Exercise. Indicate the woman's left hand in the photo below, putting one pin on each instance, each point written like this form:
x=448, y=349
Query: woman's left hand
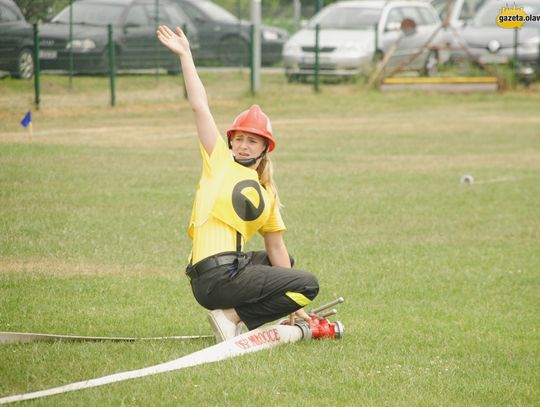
x=176, y=42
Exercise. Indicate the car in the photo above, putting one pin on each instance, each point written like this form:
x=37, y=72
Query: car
x=461, y=11
x=354, y=33
x=225, y=38
x=16, y=41
x=492, y=44
x=134, y=25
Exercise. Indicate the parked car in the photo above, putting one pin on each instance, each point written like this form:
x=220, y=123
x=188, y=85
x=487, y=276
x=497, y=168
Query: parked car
x=225, y=38
x=353, y=33
x=16, y=41
x=495, y=45
x=134, y=35
x=461, y=11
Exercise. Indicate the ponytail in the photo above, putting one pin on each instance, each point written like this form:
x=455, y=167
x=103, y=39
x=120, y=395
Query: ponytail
x=266, y=178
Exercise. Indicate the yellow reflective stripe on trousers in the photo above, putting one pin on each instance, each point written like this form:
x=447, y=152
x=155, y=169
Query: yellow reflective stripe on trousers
x=298, y=298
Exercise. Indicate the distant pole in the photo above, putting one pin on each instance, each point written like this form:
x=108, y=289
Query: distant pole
x=112, y=65
x=319, y=4
x=156, y=43
x=256, y=43
x=251, y=60
x=239, y=30
x=70, y=44
x=185, y=30
x=376, y=37
x=297, y=13
x=515, y=56
x=316, y=79
x=37, y=68
x=447, y=8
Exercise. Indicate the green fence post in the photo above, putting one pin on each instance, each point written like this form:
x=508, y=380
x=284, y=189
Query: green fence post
x=37, y=72
x=316, y=79
x=185, y=29
x=156, y=43
x=319, y=4
x=112, y=65
x=515, y=57
x=70, y=44
x=239, y=29
x=252, y=58
x=376, y=28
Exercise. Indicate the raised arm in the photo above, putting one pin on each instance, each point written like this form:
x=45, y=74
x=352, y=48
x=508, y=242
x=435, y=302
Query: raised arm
x=206, y=126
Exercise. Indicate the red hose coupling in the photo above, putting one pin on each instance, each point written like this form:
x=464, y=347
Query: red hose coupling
x=322, y=328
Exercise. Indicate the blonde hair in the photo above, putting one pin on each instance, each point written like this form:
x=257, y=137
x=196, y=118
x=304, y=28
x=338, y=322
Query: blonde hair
x=266, y=178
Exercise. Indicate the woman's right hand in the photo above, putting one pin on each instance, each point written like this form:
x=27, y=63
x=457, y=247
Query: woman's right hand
x=176, y=42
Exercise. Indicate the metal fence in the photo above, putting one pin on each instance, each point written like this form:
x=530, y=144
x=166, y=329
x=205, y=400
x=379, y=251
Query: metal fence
x=74, y=46
x=69, y=46
x=130, y=47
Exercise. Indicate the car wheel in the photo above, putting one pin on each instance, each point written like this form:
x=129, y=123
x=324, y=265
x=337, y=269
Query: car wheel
x=25, y=64
x=234, y=51
x=431, y=65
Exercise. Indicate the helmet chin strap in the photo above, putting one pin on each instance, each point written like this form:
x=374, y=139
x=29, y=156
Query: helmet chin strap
x=248, y=162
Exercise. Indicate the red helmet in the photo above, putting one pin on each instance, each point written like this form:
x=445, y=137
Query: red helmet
x=256, y=122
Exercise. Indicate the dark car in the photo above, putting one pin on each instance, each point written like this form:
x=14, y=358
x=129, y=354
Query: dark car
x=16, y=41
x=134, y=25
x=225, y=38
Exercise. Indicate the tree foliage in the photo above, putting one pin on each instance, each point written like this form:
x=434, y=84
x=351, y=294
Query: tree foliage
x=40, y=10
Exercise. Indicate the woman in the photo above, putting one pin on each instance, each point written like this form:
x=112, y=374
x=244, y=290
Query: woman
x=237, y=197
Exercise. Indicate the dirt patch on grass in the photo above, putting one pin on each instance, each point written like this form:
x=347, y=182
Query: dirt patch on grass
x=120, y=136
x=58, y=268
x=423, y=163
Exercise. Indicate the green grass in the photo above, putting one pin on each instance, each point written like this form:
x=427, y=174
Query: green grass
x=441, y=280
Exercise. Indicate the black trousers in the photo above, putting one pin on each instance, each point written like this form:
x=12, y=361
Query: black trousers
x=254, y=288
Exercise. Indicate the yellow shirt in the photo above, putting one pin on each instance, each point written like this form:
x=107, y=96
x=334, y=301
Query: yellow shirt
x=229, y=198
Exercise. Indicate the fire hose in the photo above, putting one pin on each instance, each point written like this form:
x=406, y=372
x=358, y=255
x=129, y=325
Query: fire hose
x=252, y=341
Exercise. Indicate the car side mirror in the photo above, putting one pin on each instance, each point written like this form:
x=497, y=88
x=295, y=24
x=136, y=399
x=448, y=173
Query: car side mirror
x=408, y=26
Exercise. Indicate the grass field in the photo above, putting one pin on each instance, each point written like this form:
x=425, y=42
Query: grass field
x=441, y=280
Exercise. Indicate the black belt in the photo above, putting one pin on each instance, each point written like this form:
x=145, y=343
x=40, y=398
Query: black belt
x=217, y=260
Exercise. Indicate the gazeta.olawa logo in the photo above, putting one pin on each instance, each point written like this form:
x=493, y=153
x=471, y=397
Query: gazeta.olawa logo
x=514, y=17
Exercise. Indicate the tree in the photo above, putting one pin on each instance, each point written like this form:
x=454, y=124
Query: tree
x=40, y=10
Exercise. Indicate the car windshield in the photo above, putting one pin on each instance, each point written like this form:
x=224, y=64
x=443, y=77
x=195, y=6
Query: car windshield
x=487, y=16
x=216, y=12
x=468, y=8
x=347, y=18
x=91, y=14
x=440, y=7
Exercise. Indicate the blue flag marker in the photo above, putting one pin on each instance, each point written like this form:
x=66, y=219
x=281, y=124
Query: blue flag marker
x=27, y=119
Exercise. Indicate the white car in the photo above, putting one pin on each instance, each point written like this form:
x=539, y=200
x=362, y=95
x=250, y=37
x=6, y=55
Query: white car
x=492, y=44
x=353, y=33
x=461, y=11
